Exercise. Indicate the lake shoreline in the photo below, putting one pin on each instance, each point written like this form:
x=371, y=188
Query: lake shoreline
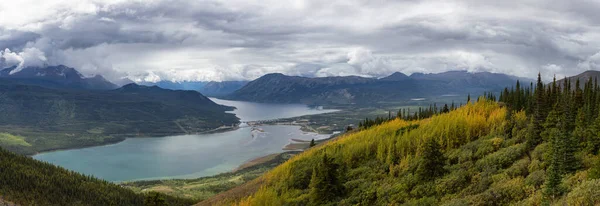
x=241, y=147
x=122, y=137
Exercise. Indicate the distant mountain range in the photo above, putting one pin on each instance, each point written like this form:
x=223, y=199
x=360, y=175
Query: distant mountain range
x=60, y=77
x=279, y=88
x=63, y=77
x=212, y=88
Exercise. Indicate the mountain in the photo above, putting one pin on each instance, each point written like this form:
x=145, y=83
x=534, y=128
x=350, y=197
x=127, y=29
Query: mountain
x=583, y=78
x=184, y=85
x=50, y=118
x=211, y=88
x=279, y=88
x=56, y=77
x=217, y=89
x=396, y=76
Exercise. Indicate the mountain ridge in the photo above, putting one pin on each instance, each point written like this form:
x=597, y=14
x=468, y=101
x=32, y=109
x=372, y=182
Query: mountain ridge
x=59, y=76
x=280, y=88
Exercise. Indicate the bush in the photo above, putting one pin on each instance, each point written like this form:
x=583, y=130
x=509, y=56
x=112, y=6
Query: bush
x=536, y=179
x=502, y=193
x=502, y=158
x=452, y=183
x=519, y=168
x=586, y=193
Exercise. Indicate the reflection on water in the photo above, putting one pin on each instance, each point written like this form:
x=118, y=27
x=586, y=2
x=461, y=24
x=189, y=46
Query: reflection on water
x=188, y=156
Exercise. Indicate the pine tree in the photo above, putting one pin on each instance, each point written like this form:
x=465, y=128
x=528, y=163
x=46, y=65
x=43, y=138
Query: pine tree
x=593, y=143
x=312, y=143
x=324, y=183
x=534, y=137
x=432, y=162
x=554, y=171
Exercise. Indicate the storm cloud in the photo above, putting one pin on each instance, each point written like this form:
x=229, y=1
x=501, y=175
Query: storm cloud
x=238, y=39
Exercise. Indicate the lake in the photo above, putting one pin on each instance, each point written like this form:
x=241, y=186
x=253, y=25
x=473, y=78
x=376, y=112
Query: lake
x=189, y=156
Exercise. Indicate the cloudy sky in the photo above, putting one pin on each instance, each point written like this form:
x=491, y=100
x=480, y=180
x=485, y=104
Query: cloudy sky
x=243, y=39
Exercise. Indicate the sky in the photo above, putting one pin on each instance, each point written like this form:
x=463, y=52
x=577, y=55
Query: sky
x=218, y=40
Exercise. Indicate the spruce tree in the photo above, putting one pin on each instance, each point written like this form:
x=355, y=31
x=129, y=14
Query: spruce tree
x=312, y=143
x=554, y=171
x=324, y=183
x=534, y=137
x=432, y=161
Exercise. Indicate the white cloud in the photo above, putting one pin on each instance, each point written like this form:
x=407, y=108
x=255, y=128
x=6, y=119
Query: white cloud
x=244, y=39
x=28, y=57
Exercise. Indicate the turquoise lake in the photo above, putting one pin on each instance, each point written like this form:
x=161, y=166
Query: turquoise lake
x=189, y=156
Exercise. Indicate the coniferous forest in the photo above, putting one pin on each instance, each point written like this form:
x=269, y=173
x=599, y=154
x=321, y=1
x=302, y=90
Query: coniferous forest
x=534, y=144
x=26, y=181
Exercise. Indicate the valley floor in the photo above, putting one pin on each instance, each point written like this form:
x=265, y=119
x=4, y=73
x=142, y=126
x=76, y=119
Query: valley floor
x=206, y=187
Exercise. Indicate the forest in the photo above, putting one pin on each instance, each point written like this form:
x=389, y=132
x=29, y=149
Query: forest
x=26, y=181
x=533, y=144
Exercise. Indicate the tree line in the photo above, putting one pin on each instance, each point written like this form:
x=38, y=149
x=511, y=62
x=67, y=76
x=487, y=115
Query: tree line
x=564, y=115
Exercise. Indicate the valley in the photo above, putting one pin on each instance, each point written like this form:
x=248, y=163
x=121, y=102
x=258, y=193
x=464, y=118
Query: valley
x=185, y=147
x=299, y=103
x=189, y=156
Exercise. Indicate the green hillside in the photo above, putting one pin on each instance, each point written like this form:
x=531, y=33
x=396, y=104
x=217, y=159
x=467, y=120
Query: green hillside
x=25, y=181
x=537, y=147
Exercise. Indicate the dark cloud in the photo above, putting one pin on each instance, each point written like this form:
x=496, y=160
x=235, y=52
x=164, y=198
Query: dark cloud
x=213, y=39
x=15, y=40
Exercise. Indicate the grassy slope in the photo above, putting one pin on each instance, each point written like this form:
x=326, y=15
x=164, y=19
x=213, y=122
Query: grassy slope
x=483, y=167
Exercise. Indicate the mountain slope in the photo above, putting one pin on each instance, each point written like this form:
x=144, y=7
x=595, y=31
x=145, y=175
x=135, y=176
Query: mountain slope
x=54, y=119
x=217, y=89
x=55, y=77
x=474, y=155
x=583, y=77
x=212, y=88
x=26, y=181
x=376, y=162
x=397, y=87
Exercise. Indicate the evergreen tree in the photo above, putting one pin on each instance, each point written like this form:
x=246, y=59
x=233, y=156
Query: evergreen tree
x=432, y=162
x=312, y=143
x=154, y=199
x=445, y=109
x=555, y=168
x=324, y=183
x=540, y=107
x=593, y=143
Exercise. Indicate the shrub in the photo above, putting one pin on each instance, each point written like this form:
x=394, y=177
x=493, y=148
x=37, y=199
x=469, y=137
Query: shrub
x=586, y=193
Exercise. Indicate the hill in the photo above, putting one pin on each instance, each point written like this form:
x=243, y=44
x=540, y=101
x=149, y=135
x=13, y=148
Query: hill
x=26, y=181
x=217, y=89
x=183, y=85
x=530, y=149
x=583, y=77
x=279, y=88
x=212, y=88
x=44, y=119
x=55, y=77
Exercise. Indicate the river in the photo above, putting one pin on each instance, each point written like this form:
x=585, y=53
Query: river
x=189, y=156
